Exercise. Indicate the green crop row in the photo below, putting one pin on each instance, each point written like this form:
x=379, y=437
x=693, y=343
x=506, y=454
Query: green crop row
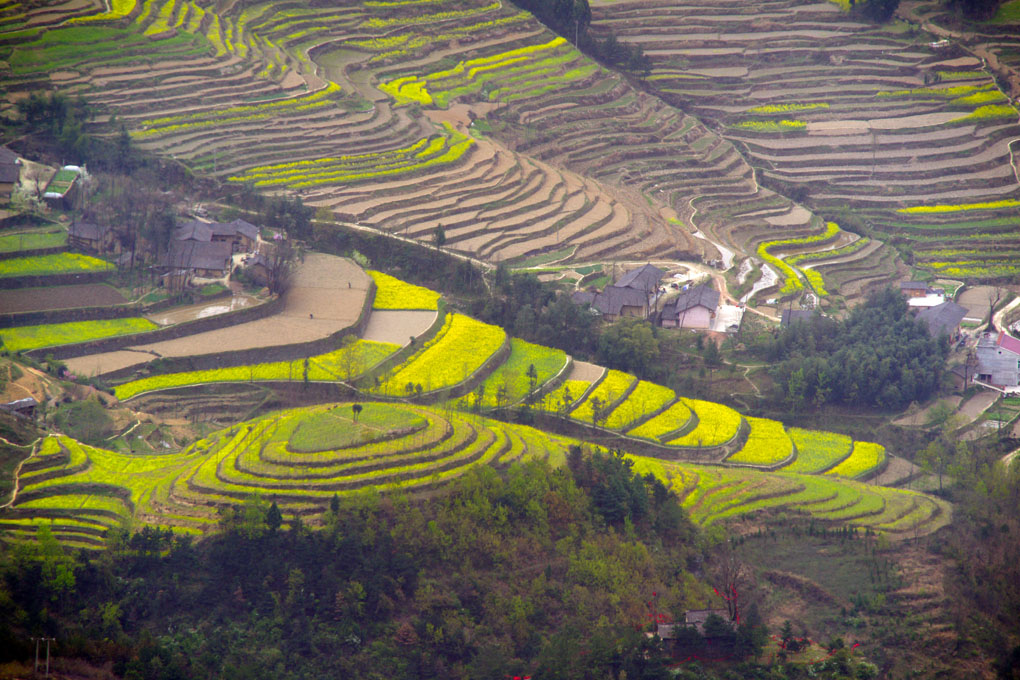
x=818, y=451
x=392, y=293
x=987, y=205
x=450, y=359
x=24, y=338
x=771, y=125
x=510, y=383
x=717, y=424
x=292, y=103
x=415, y=19
x=793, y=283
x=464, y=77
x=865, y=458
x=613, y=386
x=988, y=112
x=342, y=364
x=646, y=398
x=848, y=249
x=423, y=154
x=786, y=108
x=48, y=265
x=118, y=10
x=767, y=444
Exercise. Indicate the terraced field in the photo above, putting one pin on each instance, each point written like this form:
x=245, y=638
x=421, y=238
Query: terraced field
x=484, y=123
x=300, y=458
x=840, y=113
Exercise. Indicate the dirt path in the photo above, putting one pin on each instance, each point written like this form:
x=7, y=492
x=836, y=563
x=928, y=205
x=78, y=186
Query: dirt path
x=920, y=418
x=972, y=409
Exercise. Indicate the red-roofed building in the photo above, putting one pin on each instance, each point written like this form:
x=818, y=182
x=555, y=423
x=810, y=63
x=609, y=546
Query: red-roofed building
x=998, y=359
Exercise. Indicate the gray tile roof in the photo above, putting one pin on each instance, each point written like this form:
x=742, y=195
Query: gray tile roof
x=198, y=255
x=645, y=278
x=942, y=318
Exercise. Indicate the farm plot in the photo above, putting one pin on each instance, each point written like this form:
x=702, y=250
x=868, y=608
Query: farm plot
x=525, y=371
x=717, y=424
x=23, y=338
x=35, y=239
x=59, y=297
x=840, y=113
x=392, y=293
x=767, y=444
x=325, y=296
x=49, y=265
x=600, y=402
x=817, y=451
x=712, y=494
x=865, y=459
x=299, y=458
x=343, y=364
x=461, y=348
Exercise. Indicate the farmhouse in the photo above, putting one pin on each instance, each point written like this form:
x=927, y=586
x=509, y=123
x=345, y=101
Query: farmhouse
x=242, y=236
x=208, y=260
x=944, y=318
x=10, y=171
x=645, y=279
x=998, y=360
x=89, y=236
x=693, y=308
x=630, y=296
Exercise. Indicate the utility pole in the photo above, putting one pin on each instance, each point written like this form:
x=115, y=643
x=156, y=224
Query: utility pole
x=48, y=641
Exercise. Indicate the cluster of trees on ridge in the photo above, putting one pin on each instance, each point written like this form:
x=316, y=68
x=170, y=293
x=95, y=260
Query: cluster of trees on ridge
x=879, y=356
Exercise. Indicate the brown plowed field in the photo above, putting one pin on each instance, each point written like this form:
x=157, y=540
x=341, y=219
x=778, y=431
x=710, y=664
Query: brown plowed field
x=397, y=326
x=58, y=297
x=326, y=296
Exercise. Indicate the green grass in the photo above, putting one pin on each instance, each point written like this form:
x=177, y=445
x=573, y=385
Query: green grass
x=48, y=265
x=50, y=335
x=336, y=428
x=33, y=240
x=509, y=384
x=818, y=451
x=1008, y=13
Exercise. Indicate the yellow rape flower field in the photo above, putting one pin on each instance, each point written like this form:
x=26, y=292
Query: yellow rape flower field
x=392, y=293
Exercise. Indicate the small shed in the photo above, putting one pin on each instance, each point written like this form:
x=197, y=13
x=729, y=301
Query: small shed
x=23, y=408
x=90, y=236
